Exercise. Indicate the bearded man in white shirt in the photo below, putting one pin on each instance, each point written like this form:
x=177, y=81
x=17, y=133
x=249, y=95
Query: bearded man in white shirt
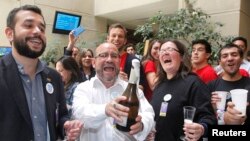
x=94, y=102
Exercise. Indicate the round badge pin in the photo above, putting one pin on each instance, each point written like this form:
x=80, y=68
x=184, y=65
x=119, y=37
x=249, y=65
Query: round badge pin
x=167, y=97
x=49, y=88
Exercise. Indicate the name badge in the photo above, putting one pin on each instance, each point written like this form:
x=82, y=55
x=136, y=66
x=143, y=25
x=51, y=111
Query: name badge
x=164, y=105
x=164, y=108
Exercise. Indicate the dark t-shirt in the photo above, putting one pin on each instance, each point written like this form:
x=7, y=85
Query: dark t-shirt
x=128, y=65
x=188, y=91
x=223, y=85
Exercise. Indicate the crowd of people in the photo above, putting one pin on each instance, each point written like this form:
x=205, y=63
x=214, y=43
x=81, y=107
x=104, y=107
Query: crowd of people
x=79, y=99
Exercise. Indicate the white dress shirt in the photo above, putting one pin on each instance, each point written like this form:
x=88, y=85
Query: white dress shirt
x=89, y=102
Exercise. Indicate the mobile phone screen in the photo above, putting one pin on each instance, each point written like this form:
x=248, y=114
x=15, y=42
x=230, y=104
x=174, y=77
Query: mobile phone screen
x=77, y=31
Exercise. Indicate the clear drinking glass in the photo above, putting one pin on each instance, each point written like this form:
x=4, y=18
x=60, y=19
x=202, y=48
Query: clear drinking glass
x=189, y=112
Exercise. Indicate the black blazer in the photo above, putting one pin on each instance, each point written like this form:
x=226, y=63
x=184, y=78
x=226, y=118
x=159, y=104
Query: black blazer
x=128, y=66
x=15, y=120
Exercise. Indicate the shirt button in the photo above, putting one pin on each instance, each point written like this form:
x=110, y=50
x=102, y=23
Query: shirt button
x=35, y=117
x=33, y=98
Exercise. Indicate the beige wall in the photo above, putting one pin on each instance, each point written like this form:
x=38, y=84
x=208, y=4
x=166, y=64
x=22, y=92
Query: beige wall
x=109, y=6
x=95, y=27
x=6, y=5
x=225, y=12
x=132, y=13
x=234, y=14
x=244, y=27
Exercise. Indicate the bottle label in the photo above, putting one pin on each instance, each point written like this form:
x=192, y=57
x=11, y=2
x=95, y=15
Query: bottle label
x=124, y=121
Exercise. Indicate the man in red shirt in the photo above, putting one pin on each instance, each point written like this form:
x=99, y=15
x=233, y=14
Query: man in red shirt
x=201, y=52
x=117, y=35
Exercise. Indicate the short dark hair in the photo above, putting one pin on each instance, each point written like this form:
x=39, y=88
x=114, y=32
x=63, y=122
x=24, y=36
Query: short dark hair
x=11, y=22
x=129, y=45
x=118, y=25
x=82, y=55
x=203, y=42
x=231, y=45
x=241, y=39
x=148, y=55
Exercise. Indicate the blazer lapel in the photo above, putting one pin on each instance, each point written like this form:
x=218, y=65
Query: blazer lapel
x=16, y=88
x=48, y=101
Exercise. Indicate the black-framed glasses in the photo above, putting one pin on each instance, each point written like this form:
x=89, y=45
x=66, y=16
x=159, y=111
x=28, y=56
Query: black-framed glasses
x=169, y=49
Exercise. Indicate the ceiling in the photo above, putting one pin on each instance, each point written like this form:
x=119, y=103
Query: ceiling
x=131, y=17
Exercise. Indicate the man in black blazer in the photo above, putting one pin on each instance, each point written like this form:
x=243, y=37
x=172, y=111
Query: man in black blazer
x=32, y=101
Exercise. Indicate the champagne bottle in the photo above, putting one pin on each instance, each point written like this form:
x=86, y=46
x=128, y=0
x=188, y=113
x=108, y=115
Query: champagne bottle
x=132, y=100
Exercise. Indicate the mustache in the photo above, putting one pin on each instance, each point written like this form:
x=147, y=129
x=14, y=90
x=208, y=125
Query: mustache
x=35, y=37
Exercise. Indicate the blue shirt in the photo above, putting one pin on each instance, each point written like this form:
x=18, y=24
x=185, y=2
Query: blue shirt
x=35, y=98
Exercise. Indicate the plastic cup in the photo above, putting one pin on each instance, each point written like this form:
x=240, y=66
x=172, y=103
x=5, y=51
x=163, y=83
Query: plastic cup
x=222, y=103
x=239, y=98
x=189, y=112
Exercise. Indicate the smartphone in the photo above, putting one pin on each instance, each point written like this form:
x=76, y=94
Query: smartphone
x=77, y=31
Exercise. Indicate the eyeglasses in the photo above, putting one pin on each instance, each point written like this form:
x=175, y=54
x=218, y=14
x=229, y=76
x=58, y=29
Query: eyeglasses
x=106, y=55
x=169, y=49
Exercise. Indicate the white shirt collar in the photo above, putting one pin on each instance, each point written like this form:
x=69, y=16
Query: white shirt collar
x=97, y=82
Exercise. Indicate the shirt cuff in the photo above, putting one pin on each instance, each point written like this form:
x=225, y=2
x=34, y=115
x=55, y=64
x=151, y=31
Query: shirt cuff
x=205, y=129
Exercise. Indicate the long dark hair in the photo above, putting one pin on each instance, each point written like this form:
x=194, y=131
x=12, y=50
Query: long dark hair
x=70, y=64
x=185, y=67
x=148, y=55
x=83, y=55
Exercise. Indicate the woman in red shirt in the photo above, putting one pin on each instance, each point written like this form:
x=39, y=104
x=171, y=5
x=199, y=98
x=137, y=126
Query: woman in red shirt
x=149, y=63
